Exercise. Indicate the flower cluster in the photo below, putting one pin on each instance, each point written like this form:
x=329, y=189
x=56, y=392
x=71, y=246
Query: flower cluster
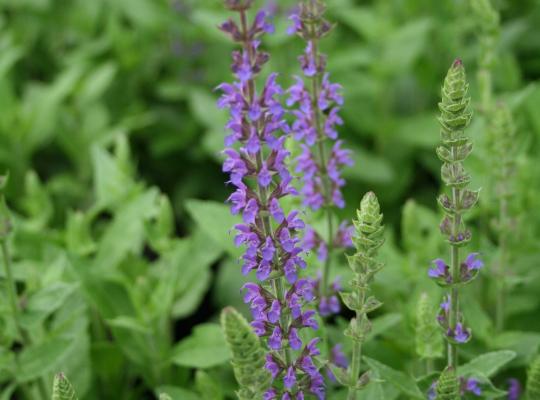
x=468, y=270
x=457, y=334
x=258, y=170
x=267, y=312
x=316, y=102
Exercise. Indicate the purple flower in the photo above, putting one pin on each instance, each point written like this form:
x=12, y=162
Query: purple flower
x=445, y=305
x=272, y=366
x=253, y=292
x=274, y=312
x=290, y=378
x=259, y=327
x=472, y=385
x=270, y=394
x=308, y=320
x=311, y=347
x=460, y=334
x=514, y=389
x=275, y=210
x=274, y=341
x=294, y=340
x=264, y=176
x=439, y=270
x=250, y=211
x=473, y=262
x=268, y=249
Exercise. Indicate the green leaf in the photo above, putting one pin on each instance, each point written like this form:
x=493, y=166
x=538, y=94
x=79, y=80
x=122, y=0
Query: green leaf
x=216, y=221
x=381, y=324
x=47, y=300
x=111, y=181
x=176, y=393
x=205, y=348
x=487, y=364
x=400, y=380
x=37, y=360
x=207, y=386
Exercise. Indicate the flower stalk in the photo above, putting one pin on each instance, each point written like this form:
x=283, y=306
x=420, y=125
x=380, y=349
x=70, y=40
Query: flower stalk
x=316, y=118
x=258, y=170
x=368, y=238
x=456, y=146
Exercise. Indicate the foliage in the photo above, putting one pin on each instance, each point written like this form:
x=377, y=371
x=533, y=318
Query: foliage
x=113, y=217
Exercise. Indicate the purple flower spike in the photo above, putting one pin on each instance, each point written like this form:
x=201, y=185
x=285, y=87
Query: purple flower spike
x=258, y=167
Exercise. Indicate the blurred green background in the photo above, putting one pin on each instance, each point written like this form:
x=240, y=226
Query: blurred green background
x=107, y=108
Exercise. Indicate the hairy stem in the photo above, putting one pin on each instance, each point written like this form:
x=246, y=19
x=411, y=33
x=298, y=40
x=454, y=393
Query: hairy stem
x=455, y=271
x=357, y=351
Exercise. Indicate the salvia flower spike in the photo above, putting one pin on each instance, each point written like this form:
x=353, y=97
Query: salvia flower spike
x=368, y=238
x=248, y=356
x=256, y=160
x=317, y=102
x=456, y=146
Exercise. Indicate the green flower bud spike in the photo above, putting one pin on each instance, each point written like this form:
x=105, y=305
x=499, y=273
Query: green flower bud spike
x=448, y=385
x=62, y=389
x=456, y=146
x=533, y=380
x=247, y=355
x=367, y=239
x=429, y=344
x=503, y=146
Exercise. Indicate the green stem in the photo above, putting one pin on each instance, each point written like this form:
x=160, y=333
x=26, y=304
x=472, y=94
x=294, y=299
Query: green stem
x=357, y=349
x=321, y=155
x=455, y=271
